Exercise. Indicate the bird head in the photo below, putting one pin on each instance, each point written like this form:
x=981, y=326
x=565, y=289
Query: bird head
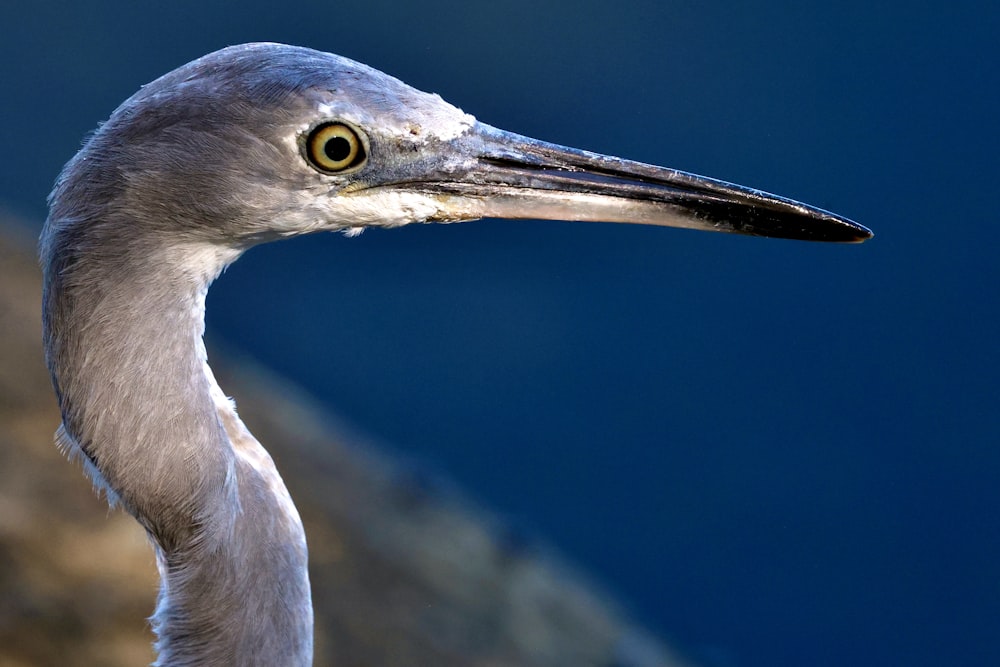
x=263, y=141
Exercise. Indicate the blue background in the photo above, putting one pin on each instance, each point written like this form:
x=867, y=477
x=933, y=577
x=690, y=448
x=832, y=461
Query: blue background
x=775, y=452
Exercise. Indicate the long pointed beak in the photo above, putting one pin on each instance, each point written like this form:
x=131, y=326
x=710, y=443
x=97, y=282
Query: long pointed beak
x=505, y=175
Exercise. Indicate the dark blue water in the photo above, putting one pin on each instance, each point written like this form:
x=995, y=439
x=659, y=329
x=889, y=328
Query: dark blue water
x=775, y=452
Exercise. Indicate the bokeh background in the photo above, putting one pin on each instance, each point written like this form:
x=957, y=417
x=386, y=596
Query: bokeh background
x=775, y=452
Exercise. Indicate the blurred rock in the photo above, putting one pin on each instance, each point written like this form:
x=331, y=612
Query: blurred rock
x=404, y=572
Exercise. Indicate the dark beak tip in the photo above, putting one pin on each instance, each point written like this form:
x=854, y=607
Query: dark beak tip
x=856, y=233
x=826, y=227
x=827, y=230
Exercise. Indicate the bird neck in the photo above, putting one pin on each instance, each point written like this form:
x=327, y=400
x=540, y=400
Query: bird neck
x=140, y=406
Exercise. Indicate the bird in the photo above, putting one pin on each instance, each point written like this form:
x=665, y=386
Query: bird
x=246, y=145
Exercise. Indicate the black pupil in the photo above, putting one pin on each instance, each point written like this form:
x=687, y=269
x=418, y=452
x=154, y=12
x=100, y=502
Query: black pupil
x=337, y=148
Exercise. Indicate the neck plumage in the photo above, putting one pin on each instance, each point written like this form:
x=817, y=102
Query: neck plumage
x=123, y=336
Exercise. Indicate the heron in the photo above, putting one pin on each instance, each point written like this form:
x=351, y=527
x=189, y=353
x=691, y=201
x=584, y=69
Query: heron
x=246, y=145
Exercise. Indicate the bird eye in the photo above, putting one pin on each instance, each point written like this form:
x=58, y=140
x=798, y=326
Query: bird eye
x=334, y=147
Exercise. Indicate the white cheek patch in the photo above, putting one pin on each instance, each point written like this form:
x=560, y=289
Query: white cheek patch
x=351, y=213
x=385, y=208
